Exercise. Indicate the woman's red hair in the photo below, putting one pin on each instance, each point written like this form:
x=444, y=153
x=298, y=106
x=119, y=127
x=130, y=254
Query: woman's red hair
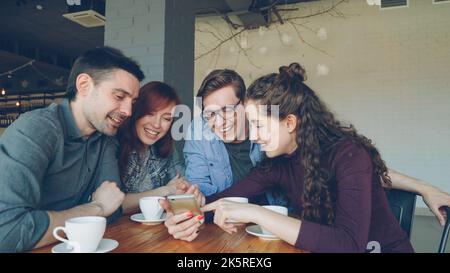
x=152, y=97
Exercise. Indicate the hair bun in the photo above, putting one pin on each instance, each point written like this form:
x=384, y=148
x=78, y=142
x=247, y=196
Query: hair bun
x=294, y=70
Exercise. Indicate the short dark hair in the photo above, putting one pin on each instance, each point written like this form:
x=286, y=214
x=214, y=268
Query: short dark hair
x=221, y=78
x=98, y=63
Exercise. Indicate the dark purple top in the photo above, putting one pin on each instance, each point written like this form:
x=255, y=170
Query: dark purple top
x=362, y=214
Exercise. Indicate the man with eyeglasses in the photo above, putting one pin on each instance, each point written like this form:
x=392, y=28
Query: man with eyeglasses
x=218, y=151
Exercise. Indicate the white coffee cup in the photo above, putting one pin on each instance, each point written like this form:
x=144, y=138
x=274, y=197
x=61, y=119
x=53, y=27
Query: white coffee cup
x=278, y=209
x=237, y=199
x=150, y=207
x=83, y=233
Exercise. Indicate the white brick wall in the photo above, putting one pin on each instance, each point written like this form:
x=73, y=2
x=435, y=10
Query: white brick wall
x=164, y=51
x=137, y=28
x=389, y=76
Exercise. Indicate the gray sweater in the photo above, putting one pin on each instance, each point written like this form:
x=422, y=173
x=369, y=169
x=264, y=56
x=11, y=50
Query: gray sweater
x=46, y=164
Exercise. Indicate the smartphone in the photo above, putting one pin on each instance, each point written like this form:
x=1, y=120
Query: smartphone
x=183, y=203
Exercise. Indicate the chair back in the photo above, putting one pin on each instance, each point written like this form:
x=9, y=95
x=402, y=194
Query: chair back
x=444, y=236
x=402, y=204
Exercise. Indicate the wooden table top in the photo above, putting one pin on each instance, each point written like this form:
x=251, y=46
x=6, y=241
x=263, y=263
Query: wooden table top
x=137, y=238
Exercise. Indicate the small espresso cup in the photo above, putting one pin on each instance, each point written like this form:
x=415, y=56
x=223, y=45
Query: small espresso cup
x=150, y=207
x=83, y=233
x=278, y=209
x=237, y=200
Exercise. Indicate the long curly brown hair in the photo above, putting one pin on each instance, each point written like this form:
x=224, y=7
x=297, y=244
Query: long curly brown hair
x=317, y=131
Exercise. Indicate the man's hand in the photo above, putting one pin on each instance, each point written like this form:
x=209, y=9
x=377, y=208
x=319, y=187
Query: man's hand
x=193, y=189
x=109, y=197
x=178, y=185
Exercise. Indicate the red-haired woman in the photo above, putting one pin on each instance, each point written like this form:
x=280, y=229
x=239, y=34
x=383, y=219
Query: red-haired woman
x=148, y=162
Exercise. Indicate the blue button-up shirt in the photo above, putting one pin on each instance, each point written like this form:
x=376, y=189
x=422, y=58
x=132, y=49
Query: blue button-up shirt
x=207, y=161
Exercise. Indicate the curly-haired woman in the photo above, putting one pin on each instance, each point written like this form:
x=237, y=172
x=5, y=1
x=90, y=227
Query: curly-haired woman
x=332, y=175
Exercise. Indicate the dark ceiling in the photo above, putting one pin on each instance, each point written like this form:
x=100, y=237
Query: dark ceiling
x=46, y=28
x=27, y=32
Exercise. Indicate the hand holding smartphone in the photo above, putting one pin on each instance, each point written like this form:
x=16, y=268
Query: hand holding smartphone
x=183, y=203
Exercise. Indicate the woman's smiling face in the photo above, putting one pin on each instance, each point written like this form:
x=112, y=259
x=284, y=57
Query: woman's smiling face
x=152, y=127
x=276, y=137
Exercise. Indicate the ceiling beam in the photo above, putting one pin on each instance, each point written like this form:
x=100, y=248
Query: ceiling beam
x=36, y=53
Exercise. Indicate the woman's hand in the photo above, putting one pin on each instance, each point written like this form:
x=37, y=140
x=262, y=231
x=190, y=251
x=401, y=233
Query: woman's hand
x=432, y=196
x=226, y=211
x=183, y=226
x=435, y=200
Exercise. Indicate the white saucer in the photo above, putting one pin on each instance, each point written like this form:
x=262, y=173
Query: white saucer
x=256, y=230
x=106, y=245
x=139, y=217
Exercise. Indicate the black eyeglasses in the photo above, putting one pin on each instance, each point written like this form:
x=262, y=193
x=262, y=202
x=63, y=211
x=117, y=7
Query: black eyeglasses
x=226, y=112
